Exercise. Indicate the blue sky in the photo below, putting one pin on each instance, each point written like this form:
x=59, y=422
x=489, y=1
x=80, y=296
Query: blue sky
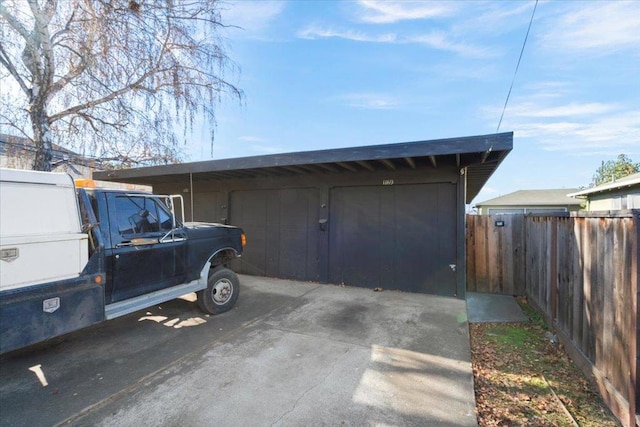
x=330, y=74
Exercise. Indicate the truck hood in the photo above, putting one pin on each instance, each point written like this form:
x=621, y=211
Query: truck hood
x=207, y=230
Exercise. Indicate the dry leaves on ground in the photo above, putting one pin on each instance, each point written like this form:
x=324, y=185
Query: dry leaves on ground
x=524, y=378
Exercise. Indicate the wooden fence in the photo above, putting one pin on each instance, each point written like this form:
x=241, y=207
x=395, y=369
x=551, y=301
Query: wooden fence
x=495, y=254
x=581, y=272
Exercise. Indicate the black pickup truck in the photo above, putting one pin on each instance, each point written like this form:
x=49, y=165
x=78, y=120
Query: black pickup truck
x=140, y=254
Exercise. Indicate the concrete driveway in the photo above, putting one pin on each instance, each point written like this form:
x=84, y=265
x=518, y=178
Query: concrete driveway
x=288, y=354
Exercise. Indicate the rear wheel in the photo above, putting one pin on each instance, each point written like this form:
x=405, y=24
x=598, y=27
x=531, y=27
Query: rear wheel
x=221, y=293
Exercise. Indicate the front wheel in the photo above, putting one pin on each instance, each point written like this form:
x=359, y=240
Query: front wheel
x=221, y=293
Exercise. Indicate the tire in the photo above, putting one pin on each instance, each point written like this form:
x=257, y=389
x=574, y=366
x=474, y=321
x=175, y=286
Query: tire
x=223, y=288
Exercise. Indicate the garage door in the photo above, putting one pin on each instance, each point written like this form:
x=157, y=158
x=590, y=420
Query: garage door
x=394, y=237
x=282, y=232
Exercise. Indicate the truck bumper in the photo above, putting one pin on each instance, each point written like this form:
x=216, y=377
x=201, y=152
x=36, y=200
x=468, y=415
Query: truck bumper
x=36, y=313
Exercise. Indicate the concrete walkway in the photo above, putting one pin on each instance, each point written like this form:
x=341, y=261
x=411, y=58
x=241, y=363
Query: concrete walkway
x=486, y=308
x=321, y=355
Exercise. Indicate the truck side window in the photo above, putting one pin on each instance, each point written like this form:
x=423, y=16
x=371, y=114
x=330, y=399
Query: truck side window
x=136, y=215
x=165, y=219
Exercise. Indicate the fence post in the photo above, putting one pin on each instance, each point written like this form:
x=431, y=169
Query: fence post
x=525, y=253
x=554, y=270
x=634, y=359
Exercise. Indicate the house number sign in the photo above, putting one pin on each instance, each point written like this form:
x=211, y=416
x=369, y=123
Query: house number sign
x=387, y=182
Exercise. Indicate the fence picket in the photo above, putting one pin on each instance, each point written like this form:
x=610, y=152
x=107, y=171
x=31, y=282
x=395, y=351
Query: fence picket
x=582, y=273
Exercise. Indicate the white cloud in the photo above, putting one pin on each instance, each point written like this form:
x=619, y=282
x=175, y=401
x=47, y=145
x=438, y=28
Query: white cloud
x=314, y=33
x=599, y=27
x=548, y=89
x=531, y=109
x=434, y=40
x=369, y=101
x=440, y=41
x=549, y=114
x=251, y=16
x=596, y=134
x=491, y=19
x=386, y=12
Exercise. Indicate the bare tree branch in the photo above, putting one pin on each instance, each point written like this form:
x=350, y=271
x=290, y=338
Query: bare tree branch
x=13, y=22
x=6, y=62
x=116, y=78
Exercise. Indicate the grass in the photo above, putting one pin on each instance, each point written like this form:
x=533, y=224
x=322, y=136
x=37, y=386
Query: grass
x=510, y=337
x=523, y=378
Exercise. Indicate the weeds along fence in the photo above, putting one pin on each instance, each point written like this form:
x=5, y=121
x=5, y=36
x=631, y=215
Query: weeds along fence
x=581, y=271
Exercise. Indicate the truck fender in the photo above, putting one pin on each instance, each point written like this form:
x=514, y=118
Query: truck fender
x=218, y=258
x=204, y=275
x=222, y=257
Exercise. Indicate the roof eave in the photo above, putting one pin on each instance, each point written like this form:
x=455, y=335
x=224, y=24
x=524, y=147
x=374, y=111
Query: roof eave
x=481, y=155
x=464, y=145
x=606, y=187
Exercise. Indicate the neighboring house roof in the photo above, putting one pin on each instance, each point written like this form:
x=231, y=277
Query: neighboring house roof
x=19, y=152
x=553, y=197
x=15, y=145
x=621, y=183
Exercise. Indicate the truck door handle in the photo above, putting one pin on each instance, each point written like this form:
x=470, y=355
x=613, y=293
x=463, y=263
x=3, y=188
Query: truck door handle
x=138, y=241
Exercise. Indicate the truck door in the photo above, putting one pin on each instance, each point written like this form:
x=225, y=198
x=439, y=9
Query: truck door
x=141, y=260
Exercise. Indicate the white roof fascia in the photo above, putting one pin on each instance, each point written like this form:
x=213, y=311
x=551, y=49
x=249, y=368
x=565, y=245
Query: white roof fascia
x=604, y=187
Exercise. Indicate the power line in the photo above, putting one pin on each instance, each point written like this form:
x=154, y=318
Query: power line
x=517, y=66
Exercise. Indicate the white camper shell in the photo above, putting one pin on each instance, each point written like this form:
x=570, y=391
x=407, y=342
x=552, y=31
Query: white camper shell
x=41, y=238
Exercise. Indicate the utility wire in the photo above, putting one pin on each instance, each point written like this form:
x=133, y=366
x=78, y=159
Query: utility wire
x=517, y=66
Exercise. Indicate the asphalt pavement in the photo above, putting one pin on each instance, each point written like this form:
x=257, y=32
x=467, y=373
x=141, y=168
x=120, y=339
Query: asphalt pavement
x=288, y=354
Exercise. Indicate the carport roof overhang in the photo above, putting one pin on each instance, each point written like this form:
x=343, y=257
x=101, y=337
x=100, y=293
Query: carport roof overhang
x=481, y=155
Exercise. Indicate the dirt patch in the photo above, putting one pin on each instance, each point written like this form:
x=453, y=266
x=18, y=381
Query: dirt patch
x=523, y=377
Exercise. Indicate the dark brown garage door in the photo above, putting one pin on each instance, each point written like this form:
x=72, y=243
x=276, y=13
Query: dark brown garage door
x=282, y=232
x=395, y=237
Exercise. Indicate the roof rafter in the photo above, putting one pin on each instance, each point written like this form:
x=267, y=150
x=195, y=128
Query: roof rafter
x=366, y=165
x=388, y=163
x=327, y=167
x=347, y=166
x=411, y=162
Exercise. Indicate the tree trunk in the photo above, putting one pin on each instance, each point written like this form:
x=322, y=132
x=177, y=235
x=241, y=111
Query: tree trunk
x=41, y=139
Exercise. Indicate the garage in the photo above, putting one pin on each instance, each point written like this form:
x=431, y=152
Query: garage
x=394, y=236
x=383, y=216
x=283, y=225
